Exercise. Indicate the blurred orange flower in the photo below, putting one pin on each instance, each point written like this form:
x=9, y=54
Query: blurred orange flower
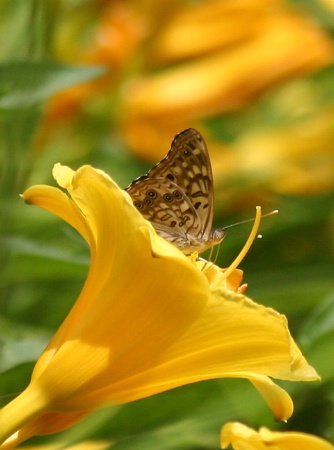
x=173, y=65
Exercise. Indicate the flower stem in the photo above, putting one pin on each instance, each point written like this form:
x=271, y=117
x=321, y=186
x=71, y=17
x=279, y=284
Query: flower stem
x=29, y=405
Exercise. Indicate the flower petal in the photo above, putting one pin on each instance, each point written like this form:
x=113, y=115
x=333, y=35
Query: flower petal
x=234, y=337
x=242, y=437
x=57, y=202
x=277, y=398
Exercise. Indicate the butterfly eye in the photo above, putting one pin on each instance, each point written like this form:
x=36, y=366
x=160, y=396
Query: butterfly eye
x=138, y=205
x=177, y=195
x=186, y=152
x=168, y=198
x=152, y=194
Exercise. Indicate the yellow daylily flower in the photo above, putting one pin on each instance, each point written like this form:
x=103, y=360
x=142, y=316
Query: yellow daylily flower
x=242, y=437
x=148, y=319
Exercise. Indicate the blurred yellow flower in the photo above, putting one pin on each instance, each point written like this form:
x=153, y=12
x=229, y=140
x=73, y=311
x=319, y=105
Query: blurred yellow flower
x=87, y=445
x=148, y=319
x=248, y=46
x=242, y=437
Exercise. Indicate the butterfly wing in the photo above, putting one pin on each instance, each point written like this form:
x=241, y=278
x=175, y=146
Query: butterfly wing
x=187, y=164
x=164, y=204
x=176, y=195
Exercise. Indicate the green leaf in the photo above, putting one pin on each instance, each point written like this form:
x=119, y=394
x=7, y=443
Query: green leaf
x=24, y=84
x=320, y=324
x=19, y=343
x=49, y=261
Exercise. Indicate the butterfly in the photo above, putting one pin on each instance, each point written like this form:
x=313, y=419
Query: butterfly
x=176, y=195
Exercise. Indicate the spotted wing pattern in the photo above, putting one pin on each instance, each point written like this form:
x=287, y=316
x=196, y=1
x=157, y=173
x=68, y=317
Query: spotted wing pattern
x=176, y=195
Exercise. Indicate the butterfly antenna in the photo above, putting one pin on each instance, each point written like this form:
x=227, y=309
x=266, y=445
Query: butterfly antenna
x=250, y=220
x=251, y=238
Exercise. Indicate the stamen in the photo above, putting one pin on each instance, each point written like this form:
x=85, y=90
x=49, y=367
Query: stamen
x=253, y=235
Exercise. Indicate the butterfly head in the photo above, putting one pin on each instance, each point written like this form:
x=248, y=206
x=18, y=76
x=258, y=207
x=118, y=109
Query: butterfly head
x=218, y=235
x=200, y=245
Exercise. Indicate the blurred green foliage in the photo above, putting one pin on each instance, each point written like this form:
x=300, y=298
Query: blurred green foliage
x=43, y=262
